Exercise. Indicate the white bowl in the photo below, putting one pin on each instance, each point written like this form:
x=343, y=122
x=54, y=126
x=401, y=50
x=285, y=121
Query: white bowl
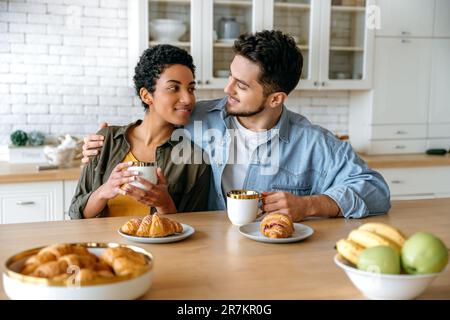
x=20, y=287
x=58, y=156
x=166, y=30
x=386, y=286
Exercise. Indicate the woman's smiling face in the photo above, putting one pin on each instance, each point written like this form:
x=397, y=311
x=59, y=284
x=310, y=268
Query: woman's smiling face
x=173, y=99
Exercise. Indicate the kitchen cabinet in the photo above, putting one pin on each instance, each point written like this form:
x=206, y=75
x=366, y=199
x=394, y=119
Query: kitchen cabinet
x=406, y=18
x=416, y=183
x=346, y=45
x=36, y=201
x=332, y=35
x=392, y=118
x=408, y=108
x=69, y=191
x=440, y=79
x=442, y=19
x=401, y=80
x=31, y=202
x=439, y=110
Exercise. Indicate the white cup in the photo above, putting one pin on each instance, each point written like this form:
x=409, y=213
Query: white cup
x=242, y=206
x=148, y=172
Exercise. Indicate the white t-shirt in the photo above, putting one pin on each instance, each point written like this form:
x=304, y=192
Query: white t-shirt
x=243, y=143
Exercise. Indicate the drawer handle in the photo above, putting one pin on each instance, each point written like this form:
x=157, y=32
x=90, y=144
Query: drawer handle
x=401, y=132
x=405, y=33
x=406, y=41
x=397, y=181
x=25, y=203
x=400, y=147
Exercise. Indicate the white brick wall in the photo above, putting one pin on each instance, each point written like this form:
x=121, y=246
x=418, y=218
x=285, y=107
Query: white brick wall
x=63, y=69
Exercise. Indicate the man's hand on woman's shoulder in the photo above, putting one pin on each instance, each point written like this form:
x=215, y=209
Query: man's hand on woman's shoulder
x=92, y=144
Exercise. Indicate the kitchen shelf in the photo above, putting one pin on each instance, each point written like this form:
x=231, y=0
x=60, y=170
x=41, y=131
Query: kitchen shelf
x=348, y=9
x=230, y=44
x=220, y=44
x=186, y=2
x=299, y=6
x=177, y=44
x=357, y=49
x=233, y=3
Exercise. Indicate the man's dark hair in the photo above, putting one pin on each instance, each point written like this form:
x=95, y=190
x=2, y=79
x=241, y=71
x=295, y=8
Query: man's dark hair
x=154, y=61
x=278, y=57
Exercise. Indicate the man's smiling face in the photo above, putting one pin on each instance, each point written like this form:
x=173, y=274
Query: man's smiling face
x=245, y=94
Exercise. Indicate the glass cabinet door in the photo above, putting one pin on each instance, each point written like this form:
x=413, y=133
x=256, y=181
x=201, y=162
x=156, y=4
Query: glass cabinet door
x=295, y=18
x=347, y=44
x=224, y=21
x=170, y=23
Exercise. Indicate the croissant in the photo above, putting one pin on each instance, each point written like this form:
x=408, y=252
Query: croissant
x=55, y=262
x=57, y=250
x=152, y=226
x=48, y=270
x=123, y=260
x=69, y=260
x=277, y=225
x=132, y=226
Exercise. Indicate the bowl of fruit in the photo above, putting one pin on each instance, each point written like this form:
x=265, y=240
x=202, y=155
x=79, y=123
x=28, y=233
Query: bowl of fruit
x=384, y=264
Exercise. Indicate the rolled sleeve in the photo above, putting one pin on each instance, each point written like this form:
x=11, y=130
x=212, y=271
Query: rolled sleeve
x=358, y=190
x=87, y=184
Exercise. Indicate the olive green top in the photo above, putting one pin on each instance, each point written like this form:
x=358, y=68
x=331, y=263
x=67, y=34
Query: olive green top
x=188, y=183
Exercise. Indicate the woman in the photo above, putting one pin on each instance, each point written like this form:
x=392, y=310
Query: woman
x=164, y=81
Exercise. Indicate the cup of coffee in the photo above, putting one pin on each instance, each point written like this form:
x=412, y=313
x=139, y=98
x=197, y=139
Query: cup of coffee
x=242, y=206
x=148, y=172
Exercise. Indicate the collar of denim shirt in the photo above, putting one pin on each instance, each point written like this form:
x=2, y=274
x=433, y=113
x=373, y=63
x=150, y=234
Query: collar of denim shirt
x=283, y=124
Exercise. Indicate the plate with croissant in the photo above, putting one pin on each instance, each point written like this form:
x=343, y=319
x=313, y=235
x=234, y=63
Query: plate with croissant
x=155, y=229
x=79, y=271
x=276, y=228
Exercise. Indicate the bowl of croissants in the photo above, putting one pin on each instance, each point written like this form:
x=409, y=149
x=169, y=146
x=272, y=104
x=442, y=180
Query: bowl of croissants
x=73, y=271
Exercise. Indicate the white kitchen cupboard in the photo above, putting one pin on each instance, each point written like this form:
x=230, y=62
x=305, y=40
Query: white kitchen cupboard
x=345, y=61
x=419, y=182
x=31, y=202
x=439, y=108
x=442, y=19
x=69, y=191
x=401, y=80
x=408, y=109
x=333, y=38
x=36, y=201
x=440, y=82
x=406, y=18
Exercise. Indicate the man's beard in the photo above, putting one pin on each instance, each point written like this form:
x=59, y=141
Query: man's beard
x=246, y=113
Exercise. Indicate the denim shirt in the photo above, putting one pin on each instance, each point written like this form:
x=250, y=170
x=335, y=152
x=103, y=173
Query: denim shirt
x=305, y=160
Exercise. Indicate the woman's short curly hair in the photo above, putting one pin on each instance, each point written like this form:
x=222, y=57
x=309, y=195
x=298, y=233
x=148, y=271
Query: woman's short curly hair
x=154, y=61
x=277, y=55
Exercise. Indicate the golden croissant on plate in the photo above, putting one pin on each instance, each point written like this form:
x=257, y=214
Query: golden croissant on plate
x=152, y=226
x=277, y=225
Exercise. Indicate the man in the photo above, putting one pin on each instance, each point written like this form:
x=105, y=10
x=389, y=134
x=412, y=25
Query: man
x=315, y=173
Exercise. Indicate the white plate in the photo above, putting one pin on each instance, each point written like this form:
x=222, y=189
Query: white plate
x=187, y=231
x=251, y=230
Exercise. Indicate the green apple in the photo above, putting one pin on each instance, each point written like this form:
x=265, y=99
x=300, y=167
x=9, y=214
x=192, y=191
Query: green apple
x=424, y=253
x=379, y=259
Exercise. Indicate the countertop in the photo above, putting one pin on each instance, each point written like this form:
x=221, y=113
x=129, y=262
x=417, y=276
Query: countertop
x=219, y=263
x=13, y=173
x=406, y=160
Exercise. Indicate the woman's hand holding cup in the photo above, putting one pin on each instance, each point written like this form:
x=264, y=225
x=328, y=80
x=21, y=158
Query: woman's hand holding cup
x=152, y=194
x=119, y=177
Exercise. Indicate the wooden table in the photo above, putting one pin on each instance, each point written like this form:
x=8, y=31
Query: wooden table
x=218, y=263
